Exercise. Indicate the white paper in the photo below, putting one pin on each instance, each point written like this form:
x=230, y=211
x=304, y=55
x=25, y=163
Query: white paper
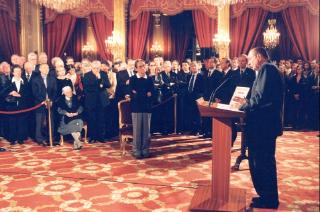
x=240, y=92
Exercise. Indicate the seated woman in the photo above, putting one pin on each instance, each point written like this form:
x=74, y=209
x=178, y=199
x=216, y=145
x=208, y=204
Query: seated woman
x=70, y=109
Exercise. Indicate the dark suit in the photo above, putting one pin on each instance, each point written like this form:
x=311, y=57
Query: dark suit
x=212, y=80
x=31, y=117
x=40, y=93
x=96, y=100
x=168, y=88
x=264, y=110
x=194, y=92
x=17, y=122
x=122, y=88
x=246, y=78
x=4, y=86
x=226, y=87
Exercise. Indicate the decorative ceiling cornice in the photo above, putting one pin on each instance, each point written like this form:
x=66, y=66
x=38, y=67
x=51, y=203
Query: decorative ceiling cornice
x=170, y=7
x=274, y=6
x=95, y=6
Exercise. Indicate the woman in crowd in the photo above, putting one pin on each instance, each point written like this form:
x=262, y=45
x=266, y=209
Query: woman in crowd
x=70, y=109
x=298, y=87
x=17, y=93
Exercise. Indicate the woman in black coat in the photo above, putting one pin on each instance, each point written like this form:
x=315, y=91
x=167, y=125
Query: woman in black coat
x=17, y=94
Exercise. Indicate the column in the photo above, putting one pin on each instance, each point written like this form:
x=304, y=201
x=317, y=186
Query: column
x=31, y=27
x=119, y=28
x=223, y=30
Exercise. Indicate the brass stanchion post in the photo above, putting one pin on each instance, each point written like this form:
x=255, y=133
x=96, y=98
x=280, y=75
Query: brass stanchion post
x=175, y=113
x=49, y=120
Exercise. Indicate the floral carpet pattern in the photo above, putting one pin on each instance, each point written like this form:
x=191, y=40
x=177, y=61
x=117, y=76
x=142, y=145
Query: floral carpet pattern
x=97, y=178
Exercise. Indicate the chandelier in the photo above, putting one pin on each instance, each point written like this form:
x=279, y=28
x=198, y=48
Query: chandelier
x=220, y=3
x=271, y=35
x=113, y=44
x=221, y=40
x=156, y=48
x=61, y=5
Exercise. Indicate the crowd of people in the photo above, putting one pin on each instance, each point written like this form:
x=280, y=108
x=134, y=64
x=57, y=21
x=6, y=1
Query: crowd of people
x=89, y=91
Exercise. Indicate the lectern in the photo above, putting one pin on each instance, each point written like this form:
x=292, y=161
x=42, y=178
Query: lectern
x=219, y=196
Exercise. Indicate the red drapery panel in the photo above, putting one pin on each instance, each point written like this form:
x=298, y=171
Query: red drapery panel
x=9, y=39
x=138, y=33
x=245, y=30
x=58, y=34
x=303, y=29
x=102, y=29
x=205, y=28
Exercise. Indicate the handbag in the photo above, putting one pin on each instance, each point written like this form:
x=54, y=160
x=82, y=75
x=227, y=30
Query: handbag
x=11, y=99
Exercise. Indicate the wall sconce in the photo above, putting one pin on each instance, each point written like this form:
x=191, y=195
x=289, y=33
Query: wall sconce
x=88, y=51
x=156, y=49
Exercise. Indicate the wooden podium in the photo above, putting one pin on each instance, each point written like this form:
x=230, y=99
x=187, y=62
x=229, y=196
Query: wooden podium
x=219, y=197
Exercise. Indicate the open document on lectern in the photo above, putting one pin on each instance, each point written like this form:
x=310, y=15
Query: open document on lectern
x=240, y=92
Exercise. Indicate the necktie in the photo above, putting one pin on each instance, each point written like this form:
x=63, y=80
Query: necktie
x=28, y=77
x=241, y=73
x=190, y=88
x=210, y=73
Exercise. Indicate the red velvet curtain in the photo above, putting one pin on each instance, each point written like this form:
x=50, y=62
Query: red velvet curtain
x=58, y=34
x=138, y=32
x=78, y=39
x=303, y=29
x=9, y=39
x=245, y=30
x=182, y=28
x=102, y=29
x=205, y=28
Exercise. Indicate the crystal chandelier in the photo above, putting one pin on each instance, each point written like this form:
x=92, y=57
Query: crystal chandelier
x=271, y=35
x=220, y=3
x=61, y=5
x=113, y=44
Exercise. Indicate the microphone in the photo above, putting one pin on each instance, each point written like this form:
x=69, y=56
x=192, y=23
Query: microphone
x=213, y=94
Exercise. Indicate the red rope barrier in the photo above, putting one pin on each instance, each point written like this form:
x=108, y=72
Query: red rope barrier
x=24, y=110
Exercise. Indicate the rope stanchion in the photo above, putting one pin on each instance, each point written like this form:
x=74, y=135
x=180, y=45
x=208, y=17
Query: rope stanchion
x=49, y=122
x=24, y=110
x=165, y=101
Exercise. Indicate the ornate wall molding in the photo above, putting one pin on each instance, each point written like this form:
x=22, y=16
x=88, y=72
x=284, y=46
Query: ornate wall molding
x=274, y=6
x=173, y=7
x=10, y=7
x=170, y=7
x=95, y=6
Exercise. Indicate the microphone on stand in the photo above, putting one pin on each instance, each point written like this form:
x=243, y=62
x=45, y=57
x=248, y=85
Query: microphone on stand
x=213, y=94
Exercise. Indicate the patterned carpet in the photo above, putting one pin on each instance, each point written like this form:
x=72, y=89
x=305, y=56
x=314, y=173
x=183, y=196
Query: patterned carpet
x=97, y=178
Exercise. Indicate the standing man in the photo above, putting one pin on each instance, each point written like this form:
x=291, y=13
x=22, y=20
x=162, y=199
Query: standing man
x=264, y=125
x=43, y=87
x=141, y=101
x=96, y=100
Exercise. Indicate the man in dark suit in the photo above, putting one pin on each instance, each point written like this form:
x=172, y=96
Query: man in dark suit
x=228, y=83
x=195, y=91
x=246, y=78
x=245, y=74
x=212, y=78
x=28, y=75
x=264, y=124
x=168, y=88
x=96, y=100
x=43, y=87
x=123, y=77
